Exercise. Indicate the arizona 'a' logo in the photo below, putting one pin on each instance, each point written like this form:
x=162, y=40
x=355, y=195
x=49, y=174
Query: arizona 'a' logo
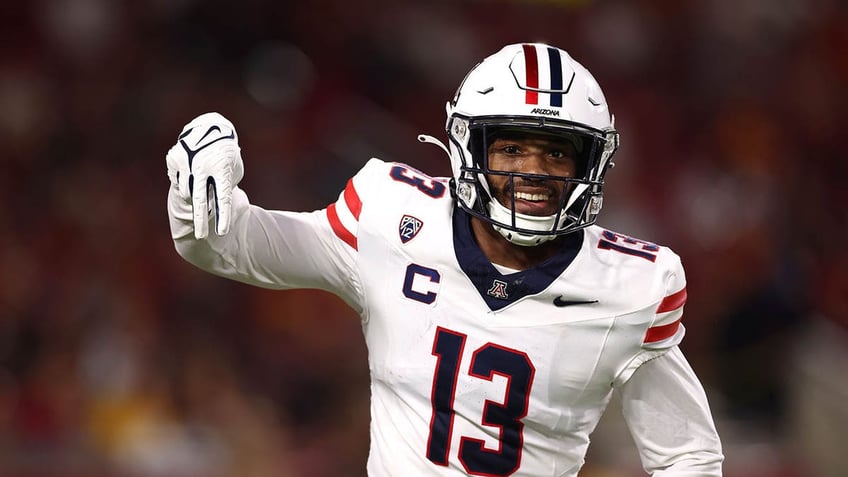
x=409, y=227
x=498, y=290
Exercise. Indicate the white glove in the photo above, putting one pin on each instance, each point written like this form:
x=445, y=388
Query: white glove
x=206, y=163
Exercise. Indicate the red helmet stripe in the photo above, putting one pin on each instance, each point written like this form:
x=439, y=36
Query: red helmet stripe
x=531, y=73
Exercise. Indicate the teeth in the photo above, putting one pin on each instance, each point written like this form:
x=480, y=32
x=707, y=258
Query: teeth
x=531, y=197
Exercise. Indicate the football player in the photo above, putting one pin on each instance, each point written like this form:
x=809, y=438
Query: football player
x=498, y=317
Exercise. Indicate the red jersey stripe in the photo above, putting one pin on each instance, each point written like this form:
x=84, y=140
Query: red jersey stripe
x=339, y=228
x=672, y=302
x=354, y=203
x=659, y=333
x=531, y=73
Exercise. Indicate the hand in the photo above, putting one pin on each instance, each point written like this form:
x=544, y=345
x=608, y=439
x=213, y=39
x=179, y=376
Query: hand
x=206, y=164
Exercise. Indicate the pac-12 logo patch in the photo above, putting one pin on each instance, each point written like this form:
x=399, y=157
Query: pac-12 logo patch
x=409, y=227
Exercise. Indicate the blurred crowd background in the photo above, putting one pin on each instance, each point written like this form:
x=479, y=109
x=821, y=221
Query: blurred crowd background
x=119, y=359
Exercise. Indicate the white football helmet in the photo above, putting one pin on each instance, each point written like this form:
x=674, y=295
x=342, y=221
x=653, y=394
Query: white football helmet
x=541, y=89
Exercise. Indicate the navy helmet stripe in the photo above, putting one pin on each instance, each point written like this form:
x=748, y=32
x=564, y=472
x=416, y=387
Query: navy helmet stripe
x=556, y=76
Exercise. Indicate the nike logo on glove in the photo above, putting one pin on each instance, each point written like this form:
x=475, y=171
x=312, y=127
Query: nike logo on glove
x=192, y=152
x=558, y=301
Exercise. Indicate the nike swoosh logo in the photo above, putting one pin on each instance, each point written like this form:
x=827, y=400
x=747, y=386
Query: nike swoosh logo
x=193, y=152
x=558, y=301
x=208, y=131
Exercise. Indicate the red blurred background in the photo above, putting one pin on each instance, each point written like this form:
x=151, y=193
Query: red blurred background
x=117, y=358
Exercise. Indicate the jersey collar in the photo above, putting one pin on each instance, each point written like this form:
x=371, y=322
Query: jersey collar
x=496, y=289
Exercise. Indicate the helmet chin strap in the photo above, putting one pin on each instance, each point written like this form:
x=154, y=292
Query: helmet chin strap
x=544, y=223
x=499, y=213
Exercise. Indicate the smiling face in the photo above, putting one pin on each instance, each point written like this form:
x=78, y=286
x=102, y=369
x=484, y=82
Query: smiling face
x=528, y=153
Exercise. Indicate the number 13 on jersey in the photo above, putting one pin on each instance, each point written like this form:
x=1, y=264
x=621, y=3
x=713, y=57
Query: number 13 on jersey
x=505, y=416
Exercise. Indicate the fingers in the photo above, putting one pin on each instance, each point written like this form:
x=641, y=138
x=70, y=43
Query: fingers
x=211, y=187
x=200, y=205
x=205, y=165
x=223, y=193
x=211, y=195
x=178, y=171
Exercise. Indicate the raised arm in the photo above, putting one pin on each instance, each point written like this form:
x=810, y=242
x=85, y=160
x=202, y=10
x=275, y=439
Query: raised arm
x=272, y=249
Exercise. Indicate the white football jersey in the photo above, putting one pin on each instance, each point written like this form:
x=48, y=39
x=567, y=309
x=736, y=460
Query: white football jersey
x=478, y=372
x=474, y=370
